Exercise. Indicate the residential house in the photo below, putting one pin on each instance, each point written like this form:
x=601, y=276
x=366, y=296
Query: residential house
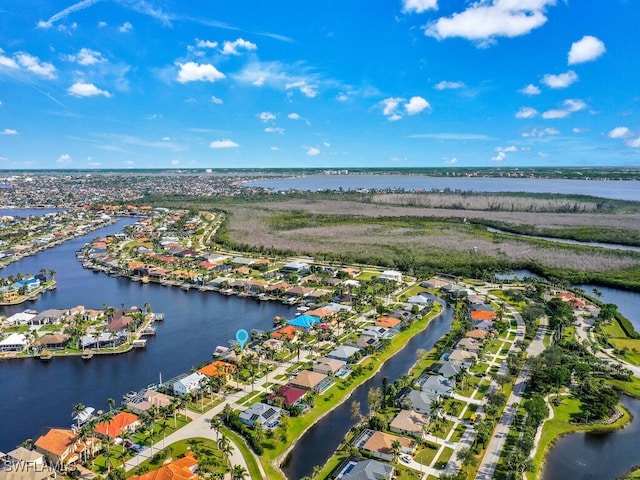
x=287, y=332
x=416, y=400
x=24, y=464
x=368, y=342
x=469, y=344
x=477, y=334
x=289, y=395
x=188, y=384
x=344, y=353
x=123, y=422
x=482, y=315
x=182, y=469
x=255, y=286
x=53, y=341
x=379, y=332
x=330, y=366
x=51, y=316
x=449, y=369
x=304, y=322
x=463, y=357
x=436, y=385
x=379, y=444
x=20, y=318
x=485, y=325
x=272, y=344
x=298, y=292
x=419, y=300
x=312, y=381
x=15, y=342
x=365, y=470
x=150, y=398
x=266, y=415
x=62, y=447
x=218, y=369
x=296, y=267
x=409, y=422
x=390, y=276
x=388, y=322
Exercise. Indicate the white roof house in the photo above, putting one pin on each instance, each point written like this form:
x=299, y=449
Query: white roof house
x=265, y=415
x=16, y=342
x=391, y=275
x=188, y=384
x=20, y=318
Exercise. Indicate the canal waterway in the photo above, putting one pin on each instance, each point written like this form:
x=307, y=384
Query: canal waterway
x=320, y=441
x=588, y=456
x=621, y=190
x=34, y=395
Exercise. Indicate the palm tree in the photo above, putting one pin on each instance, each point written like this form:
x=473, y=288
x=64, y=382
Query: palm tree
x=224, y=445
x=238, y=472
x=396, y=448
x=216, y=424
x=227, y=411
x=111, y=403
x=52, y=274
x=466, y=456
x=77, y=408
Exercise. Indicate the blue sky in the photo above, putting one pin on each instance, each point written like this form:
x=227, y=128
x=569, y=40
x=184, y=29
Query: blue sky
x=337, y=83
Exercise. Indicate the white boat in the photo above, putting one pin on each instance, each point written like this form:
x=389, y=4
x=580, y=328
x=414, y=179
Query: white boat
x=83, y=416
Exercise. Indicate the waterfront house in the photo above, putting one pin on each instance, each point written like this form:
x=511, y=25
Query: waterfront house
x=23, y=464
x=288, y=331
x=255, y=286
x=477, y=334
x=51, y=316
x=388, y=322
x=368, y=342
x=298, y=292
x=463, y=357
x=364, y=470
x=295, y=267
x=20, y=318
x=416, y=400
x=344, y=352
x=409, y=422
x=323, y=313
x=181, y=469
x=53, y=341
x=272, y=344
x=62, y=447
x=304, y=322
x=485, y=325
x=330, y=367
x=188, y=384
x=148, y=399
x=380, y=333
x=482, y=315
x=313, y=381
x=436, y=385
x=469, y=344
x=289, y=395
x=266, y=415
x=15, y=342
x=218, y=369
x=123, y=422
x=380, y=444
x=449, y=369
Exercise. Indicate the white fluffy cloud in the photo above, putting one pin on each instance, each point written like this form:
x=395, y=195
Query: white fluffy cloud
x=216, y=100
x=619, y=132
x=266, y=116
x=231, y=48
x=82, y=89
x=86, y=57
x=309, y=90
x=194, y=72
x=9, y=131
x=223, y=144
x=562, y=80
x=419, y=6
x=294, y=116
x=34, y=65
x=586, y=49
x=530, y=90
x=501, y=154
x=206, y=44
x=635, y=143
x=278, y=130
x=447, y=85
x=312, y=151
x=391, y=107
x=568, y=107
x=125, y=27
x=6, y=61
x=416, y=105
x=526, y=112
x=485, y=20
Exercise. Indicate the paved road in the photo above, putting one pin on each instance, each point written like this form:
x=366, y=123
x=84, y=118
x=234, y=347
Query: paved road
x=496, y=444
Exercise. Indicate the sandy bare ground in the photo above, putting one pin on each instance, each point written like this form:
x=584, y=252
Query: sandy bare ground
x=250, y=225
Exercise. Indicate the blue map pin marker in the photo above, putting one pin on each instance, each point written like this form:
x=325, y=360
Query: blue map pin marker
x=242, y=336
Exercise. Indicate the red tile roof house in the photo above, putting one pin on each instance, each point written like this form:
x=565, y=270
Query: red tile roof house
x=123, y=422
x=61, y=447
x=182, y=469
x=289, y=395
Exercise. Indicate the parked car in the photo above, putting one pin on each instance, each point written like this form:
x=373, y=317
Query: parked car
x=406, y=458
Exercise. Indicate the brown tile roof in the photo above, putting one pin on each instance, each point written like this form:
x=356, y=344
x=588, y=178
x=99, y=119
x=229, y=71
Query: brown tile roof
x=387, y=322
x=218, y=369
x=56, y=441
x=307, y=379
x=382, y=442
x=181, y=469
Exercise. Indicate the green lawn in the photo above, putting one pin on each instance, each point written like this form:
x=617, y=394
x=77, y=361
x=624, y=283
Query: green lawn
x=426, y=455
x=444, y=457
x=247, y=454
